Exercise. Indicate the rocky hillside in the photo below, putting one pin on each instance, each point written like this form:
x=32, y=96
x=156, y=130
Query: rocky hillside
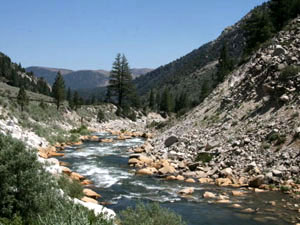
x=247, y=132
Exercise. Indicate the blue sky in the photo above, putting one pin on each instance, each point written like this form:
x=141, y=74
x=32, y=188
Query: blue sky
x=87, y=34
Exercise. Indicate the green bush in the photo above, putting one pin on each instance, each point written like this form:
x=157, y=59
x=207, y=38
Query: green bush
x=29, y=196
x=204, y=157
x=70, y=187
x=101, y=116
x=24, y=185
x=289, y=72
x=68, y=213
x=82, y=130
x=149, y=214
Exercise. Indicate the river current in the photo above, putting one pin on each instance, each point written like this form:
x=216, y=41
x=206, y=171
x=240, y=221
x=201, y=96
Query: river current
x=106, y=164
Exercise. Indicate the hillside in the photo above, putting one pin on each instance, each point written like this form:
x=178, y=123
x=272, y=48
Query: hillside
x=15, y=75
x=188, y=73
x=81, y=79
x=247, y=131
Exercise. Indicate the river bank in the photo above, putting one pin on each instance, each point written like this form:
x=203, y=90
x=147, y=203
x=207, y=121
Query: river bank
x=106, y=165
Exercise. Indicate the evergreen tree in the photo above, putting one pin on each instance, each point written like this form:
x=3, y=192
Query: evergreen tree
x=22, y=98
x=108, y=95
x=58, y=89
x=258, y=28
x=204, y=90
x=69, y=95
x=166, y=101
x=93, y=100
x=157, y=100
x=181, y=101
x=75, y=100
x=225, y=65
x=120, y=83
x=281, y=12
x=152, y=100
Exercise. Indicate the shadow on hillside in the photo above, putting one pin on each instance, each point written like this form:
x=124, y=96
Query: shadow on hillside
x=271, y=105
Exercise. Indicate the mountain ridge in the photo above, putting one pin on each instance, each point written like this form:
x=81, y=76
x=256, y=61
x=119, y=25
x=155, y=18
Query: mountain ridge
x=80, y=79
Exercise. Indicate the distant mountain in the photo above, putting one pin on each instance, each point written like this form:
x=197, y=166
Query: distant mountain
x=81, y=79
x=48, y=74
x=139, y=72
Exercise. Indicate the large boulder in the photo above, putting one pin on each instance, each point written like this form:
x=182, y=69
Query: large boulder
x=147, y=171
x=256, y=181
x=133, y=161
x=146, y=160
x=208, y=194
x=66, y=170
x=76, y=176
x=167, y=169
x=223, y=182
x=87, y=199
x=186, y=191
x=227, y=172
x=170, y=141
x=90, y=193
x=279, y=50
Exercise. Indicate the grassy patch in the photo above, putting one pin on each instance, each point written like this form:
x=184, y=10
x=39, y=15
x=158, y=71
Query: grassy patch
x=204, y=157
x=150, y=214
x=71, y=187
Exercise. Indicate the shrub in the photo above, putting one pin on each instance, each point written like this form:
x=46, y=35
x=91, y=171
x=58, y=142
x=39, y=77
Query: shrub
x=82, y=130
x=204, y=157
x=284, y=188
x=70, y=187
x=101, y=116
x=279, y=138
x=67, y=213
x=149, y=214
x=132, y=116
x=289, y=72
x=28, y=194
x=24, y=183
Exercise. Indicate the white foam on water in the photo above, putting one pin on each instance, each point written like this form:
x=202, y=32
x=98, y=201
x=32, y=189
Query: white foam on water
x=135, y=140
x=147, y=186
x=102, y=177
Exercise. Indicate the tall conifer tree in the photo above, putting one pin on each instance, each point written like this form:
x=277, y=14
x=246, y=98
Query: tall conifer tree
x=58, y=90
x=22, y=98
x=120, y=83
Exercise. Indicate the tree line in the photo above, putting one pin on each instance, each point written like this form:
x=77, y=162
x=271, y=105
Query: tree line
x=267, y=20
x=13, y=74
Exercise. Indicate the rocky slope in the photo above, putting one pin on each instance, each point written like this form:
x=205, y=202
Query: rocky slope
x=247, y=131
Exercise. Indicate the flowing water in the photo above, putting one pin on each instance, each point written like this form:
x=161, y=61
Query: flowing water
x=106, y=165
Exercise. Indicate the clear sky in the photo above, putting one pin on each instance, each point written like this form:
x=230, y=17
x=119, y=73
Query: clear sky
x=87, y=34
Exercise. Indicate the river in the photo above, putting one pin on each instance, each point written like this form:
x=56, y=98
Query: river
x=106, y=164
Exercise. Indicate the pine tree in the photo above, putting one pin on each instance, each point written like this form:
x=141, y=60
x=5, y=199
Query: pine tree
x=204, y=90
x=69, y=95
x=181, y=102
x=120, y=83
x=225, y=65
x=22, y=98
x=75, y=100
x=258, y=29
x=152, y=100
x=166, y=101
x=58, y=89
x=93, y=100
